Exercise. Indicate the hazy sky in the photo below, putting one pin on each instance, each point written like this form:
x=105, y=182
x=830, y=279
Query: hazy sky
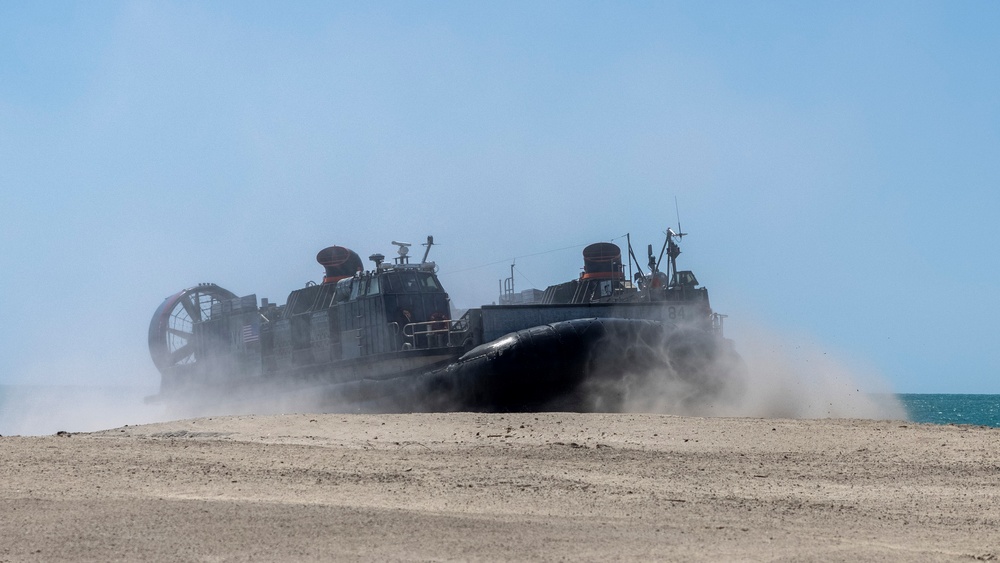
x=836, y=164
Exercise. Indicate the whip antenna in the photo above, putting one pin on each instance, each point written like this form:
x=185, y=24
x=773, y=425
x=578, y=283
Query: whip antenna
x=677, y=209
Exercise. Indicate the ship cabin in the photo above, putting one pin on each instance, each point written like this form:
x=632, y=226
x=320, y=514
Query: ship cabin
x=392, y=308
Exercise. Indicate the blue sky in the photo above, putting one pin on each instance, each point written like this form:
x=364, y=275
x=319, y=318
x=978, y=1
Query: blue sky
x=836, y=163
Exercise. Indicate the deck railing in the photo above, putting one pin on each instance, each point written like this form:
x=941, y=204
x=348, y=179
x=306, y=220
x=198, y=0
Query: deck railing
x=435, y=334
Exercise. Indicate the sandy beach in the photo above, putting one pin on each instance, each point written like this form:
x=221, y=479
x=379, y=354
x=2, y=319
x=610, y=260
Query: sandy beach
x=503, y=487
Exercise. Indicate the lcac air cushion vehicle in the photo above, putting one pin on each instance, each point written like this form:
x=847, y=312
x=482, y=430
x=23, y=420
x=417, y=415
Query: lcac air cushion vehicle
x=384, y=340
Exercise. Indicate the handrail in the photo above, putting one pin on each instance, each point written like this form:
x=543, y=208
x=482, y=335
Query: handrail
x=432, y=334
x=717, y=322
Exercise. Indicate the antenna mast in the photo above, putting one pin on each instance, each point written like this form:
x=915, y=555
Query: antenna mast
x=670, y=246
x=677, y=209
x=430, y=243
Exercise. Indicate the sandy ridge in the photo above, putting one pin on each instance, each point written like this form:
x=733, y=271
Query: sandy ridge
x=530, y=486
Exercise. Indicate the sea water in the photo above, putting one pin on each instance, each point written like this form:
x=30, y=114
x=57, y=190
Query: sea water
x=979, y=410
x=35, y=410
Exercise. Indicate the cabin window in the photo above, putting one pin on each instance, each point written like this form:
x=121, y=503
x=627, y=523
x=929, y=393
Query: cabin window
x=344, y=289
x=357, y=288
x=430, y=282
x=373, y=286
x=403, y=282
x=410, y=283
x=685, y=278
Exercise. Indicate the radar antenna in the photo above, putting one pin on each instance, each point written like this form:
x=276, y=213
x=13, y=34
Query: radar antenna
x=404, y=249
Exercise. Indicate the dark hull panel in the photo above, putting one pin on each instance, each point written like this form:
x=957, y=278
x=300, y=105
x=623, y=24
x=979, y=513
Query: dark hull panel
x=582, y=365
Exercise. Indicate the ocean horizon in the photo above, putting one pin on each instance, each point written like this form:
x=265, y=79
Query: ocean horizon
x=952, y=408
x=36, y=410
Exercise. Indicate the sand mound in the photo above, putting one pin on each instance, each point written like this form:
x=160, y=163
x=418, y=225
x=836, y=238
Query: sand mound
x=503, y=487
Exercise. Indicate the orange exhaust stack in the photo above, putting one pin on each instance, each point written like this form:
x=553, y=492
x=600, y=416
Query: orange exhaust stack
x=339, y=262
x=602, y=260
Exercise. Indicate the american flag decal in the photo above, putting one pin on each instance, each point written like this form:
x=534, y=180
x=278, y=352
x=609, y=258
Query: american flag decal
x=250, y=333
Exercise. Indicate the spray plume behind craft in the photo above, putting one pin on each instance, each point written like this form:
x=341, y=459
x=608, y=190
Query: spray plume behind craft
x=79, y=393
x=782, y=379
x=774, y=377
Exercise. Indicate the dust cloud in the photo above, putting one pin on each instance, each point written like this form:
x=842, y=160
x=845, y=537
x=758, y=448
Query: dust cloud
x=792, y=378
x=38, y=410
x=760, y=375
x=777, y=377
